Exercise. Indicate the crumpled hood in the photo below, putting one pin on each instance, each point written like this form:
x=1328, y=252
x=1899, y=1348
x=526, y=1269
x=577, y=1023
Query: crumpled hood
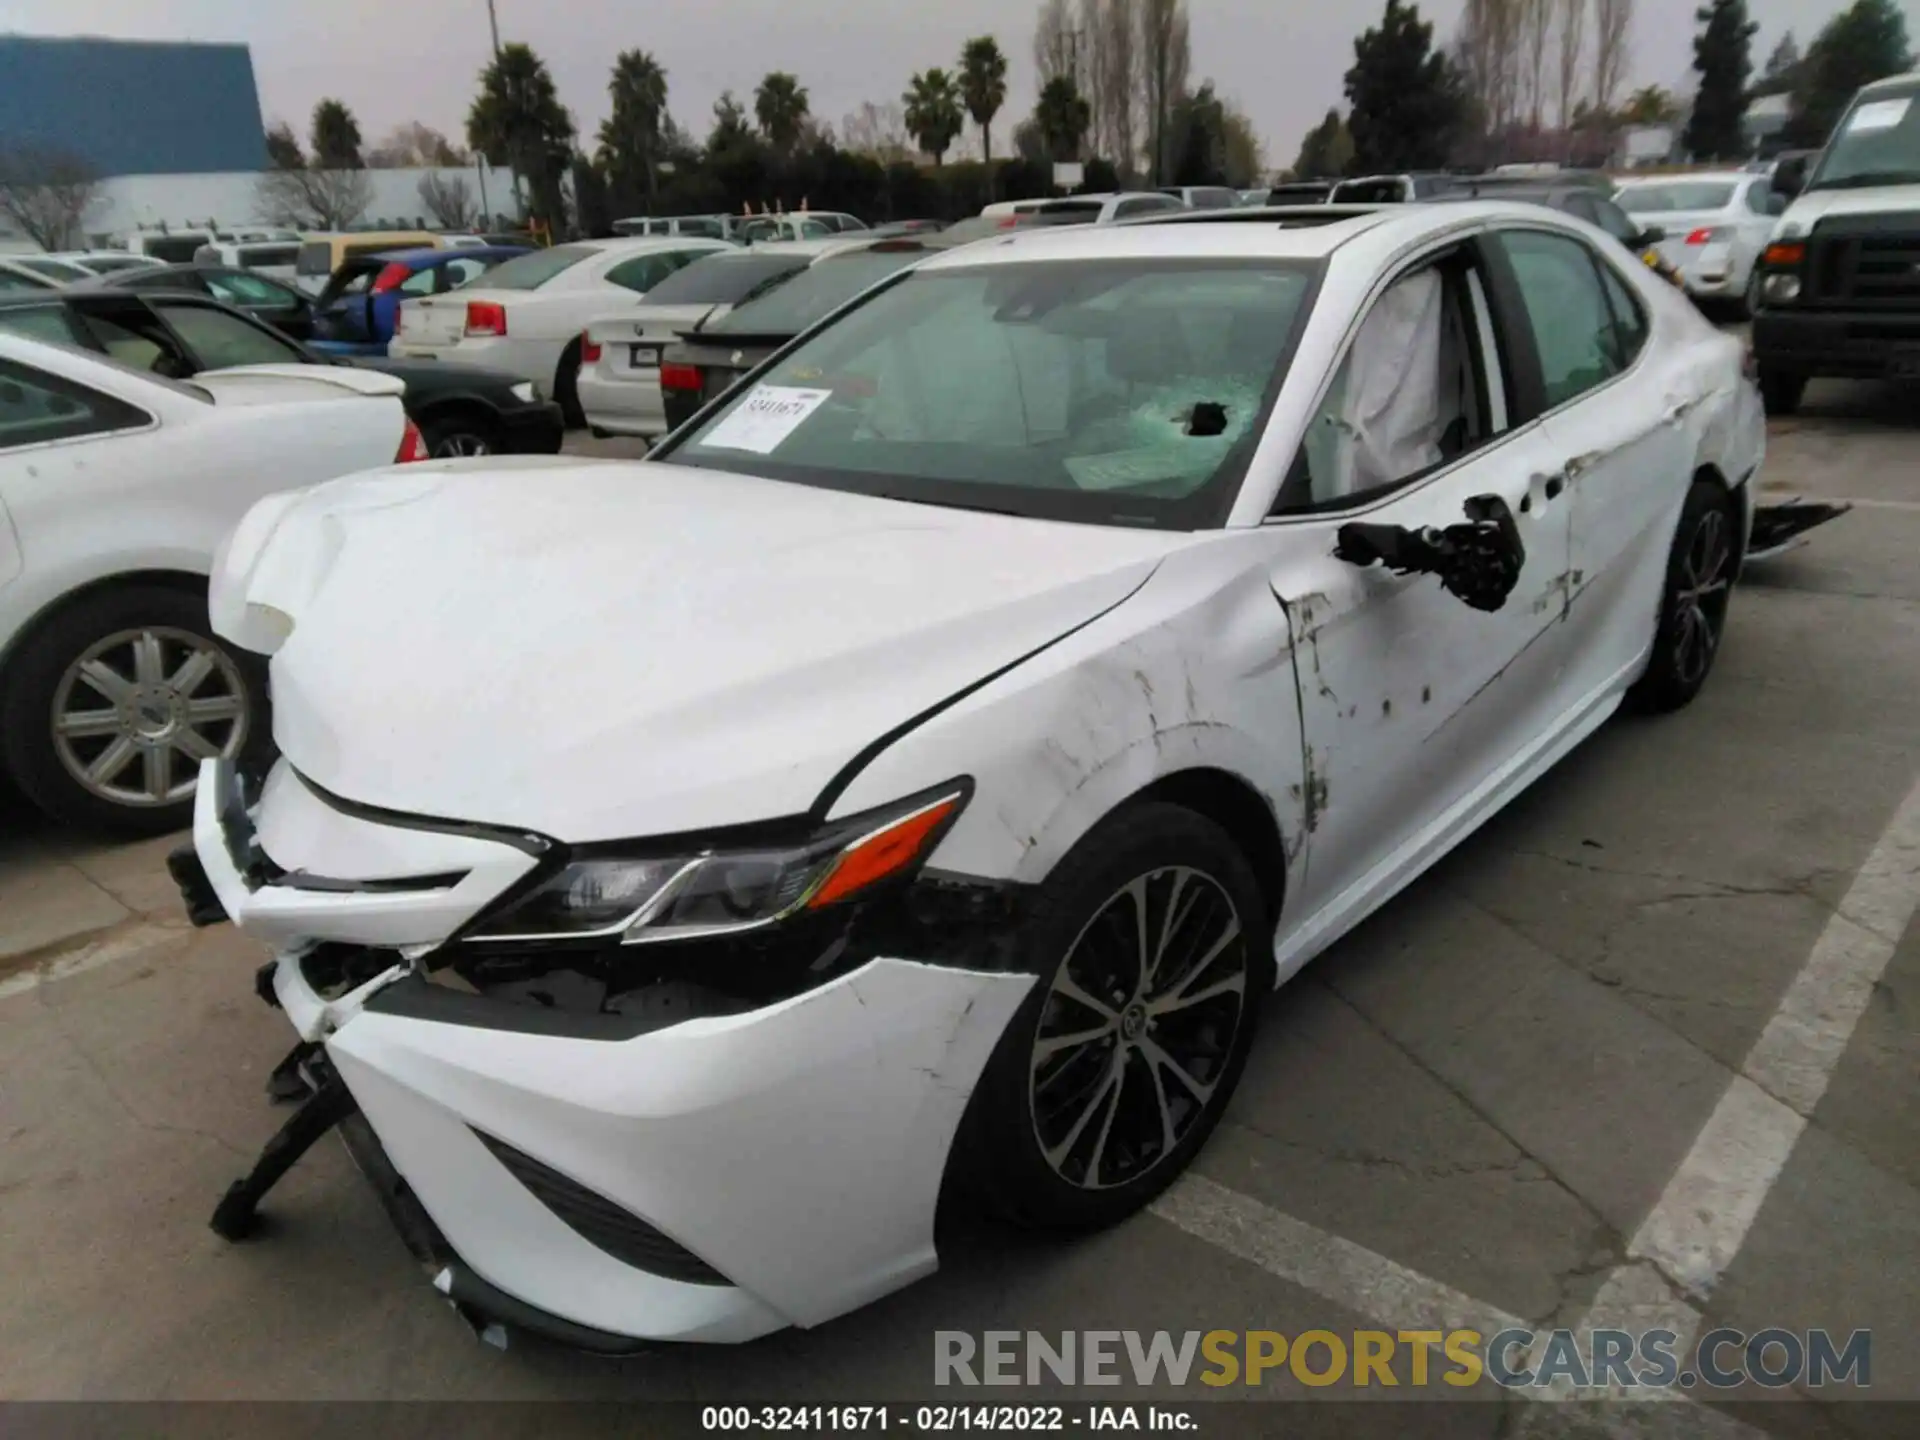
x=596, y=650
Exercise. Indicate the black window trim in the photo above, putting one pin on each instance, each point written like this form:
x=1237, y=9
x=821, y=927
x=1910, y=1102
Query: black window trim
x=1520, y=369
x=139, y=419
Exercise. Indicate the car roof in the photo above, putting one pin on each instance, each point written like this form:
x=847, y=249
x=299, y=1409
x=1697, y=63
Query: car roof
x=1233, y=234
x=1715, y=177
x=1892, y=82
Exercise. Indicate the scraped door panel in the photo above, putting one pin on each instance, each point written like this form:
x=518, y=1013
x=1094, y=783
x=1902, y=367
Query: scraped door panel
x=1410, y=699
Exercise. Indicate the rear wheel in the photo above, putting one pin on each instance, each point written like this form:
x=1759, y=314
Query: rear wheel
x=1693, y=604
x=566, y=388
x=1151, y=951
x=458, y=434
x=112, y=704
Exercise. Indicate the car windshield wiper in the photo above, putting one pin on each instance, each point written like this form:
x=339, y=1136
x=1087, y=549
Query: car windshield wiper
x=1868, y=177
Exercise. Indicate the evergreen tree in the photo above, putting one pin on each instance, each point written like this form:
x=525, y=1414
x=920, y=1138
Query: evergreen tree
x=1405, y=96
x=336, y=137
x=1723, y=59
x=1864, y=43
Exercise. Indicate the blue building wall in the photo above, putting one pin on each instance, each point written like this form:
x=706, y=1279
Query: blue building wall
x=133, y=107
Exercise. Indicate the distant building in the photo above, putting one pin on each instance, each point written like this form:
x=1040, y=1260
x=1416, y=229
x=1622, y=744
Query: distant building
x=174, y=131
x=132, y=107
x=1643, y=145
x=1765, y=123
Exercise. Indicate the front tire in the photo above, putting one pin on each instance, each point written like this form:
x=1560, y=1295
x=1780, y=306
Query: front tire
x=1693, y=601
x=459, y=435
x=1152, y=952
x=111, y=704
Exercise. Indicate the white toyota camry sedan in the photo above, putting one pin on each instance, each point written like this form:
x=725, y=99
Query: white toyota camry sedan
x=680, y=872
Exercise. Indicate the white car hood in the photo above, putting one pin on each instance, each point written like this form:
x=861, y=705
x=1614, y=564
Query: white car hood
x=600, y=650
x=1817, y=205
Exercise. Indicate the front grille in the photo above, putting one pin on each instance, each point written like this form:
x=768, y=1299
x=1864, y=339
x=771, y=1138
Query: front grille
x=602, y=1223
x=1865, y=260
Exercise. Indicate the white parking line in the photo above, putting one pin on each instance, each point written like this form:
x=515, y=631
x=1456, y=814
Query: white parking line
x=1699, y=1223
x=120, y=945
x=1388, y=1293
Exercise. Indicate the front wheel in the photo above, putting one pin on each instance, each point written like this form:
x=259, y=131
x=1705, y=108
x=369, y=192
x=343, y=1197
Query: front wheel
x=458, y=436
x=112, y=704
x=1694, y=600
x=1152, y=954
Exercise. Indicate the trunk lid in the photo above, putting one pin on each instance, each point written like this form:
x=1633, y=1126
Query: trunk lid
x=279, y=384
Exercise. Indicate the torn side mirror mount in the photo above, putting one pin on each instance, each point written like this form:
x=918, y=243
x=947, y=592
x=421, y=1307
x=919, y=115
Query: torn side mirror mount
x=1478, y=561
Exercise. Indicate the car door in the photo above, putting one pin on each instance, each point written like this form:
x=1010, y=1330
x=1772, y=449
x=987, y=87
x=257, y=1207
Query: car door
x=1614, y=407
x=1420, y=713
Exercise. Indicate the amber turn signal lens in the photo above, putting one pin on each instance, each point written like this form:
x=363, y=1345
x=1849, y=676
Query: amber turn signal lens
x=1785, y=255
x=874, y=857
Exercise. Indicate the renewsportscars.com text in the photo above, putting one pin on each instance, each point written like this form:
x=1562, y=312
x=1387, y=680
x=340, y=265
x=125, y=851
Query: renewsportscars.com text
x=1515, y=1359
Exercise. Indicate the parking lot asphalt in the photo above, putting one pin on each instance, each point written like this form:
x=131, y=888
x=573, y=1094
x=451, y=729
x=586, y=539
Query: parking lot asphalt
x=1517, y=1092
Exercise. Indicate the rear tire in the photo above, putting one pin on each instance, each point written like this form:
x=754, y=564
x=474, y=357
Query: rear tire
x=1781, y=392
x=110, y=704
x=460, y=433
x=566, y=388
x=1111, y=1074
x=1693, y=601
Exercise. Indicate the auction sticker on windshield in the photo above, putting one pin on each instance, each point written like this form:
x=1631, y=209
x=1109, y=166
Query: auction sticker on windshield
x=765, y=418
x=1880, y=115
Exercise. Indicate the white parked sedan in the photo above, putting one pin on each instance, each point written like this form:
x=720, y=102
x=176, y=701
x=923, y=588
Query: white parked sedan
x=1714, y=227
x=619, y=383
x=116, y=487
x=914, y=775
x=528, y=315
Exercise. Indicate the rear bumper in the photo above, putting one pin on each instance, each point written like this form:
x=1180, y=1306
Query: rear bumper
x=1865, y=345
x=624, y=407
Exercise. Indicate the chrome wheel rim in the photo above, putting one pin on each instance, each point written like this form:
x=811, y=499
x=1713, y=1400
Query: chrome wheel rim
x=1700, y=598
x=460, y=444
x=135, y=714
x=1137, y=1028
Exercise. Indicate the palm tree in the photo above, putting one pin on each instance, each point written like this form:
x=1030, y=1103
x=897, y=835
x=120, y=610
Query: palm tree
x=934, y=117
x=983, y=88
x=518, y=120
x=1063, y=117
x=780, y=105
x=630, y=138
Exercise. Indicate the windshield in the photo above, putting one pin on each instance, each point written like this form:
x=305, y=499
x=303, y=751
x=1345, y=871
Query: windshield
x=1682, y=195
x=1110, y=392
x=1370, y=192
x=1876, y=143
x=725, y=279
x=530, y=272
x=824, y=287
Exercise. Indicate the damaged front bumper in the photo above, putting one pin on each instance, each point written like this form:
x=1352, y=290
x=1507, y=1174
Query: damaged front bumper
x=607, y=1178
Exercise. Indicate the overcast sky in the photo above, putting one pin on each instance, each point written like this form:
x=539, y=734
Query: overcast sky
x=418, y=59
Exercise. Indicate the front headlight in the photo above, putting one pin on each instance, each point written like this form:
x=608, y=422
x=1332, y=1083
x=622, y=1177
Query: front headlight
x=523, y=392
x=692, y=895
x=1781, y=289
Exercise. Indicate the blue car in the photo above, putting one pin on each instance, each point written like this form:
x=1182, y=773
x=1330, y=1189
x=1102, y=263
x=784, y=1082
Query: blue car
x=355, y=313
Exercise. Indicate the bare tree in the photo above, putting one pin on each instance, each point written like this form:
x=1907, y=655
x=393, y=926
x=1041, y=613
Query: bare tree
x=312, y=199
x=448, y=198
x=1487, y=51
x=879, y=131
x=414, y=144
x=1573, y=45
x=1536, y=28
x=1056, y=44
x=47, y=194
x=1165, y=58
x=1613, y=25
x=1112, y=83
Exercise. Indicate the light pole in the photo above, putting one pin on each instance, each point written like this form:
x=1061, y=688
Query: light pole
x=493, y=23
